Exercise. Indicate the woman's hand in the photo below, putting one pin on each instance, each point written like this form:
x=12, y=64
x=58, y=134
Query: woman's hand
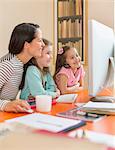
x=17, y=106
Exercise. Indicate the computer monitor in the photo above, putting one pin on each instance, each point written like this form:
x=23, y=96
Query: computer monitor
x=100, y=49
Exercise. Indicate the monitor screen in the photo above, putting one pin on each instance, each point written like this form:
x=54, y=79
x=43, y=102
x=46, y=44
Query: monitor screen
x=100, y=53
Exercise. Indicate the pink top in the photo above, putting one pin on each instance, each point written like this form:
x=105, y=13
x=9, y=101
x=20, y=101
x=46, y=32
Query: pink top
x=73, y=78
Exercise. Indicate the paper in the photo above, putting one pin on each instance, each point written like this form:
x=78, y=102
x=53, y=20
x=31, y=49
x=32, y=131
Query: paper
x=67, y=98
x=46, y=122
x=99, y=105
x=101, y=138
x=93, y=136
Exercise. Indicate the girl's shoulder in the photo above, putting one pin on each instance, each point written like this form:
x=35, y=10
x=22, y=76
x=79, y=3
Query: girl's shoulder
x=82, y=68
x=65, y=71
x=81, y=71
x=33, y=69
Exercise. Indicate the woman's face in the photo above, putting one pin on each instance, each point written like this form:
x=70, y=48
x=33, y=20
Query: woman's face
x=35, y=47
x=45, y=59
x=73, y=58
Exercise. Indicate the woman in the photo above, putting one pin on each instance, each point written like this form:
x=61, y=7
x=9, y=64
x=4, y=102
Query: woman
x=25, y=43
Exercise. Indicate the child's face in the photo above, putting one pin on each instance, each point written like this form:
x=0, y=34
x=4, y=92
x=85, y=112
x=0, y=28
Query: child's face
x=45, y=59
x=73, y=58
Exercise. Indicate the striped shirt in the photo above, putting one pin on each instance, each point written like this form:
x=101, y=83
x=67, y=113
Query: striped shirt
x=11, y=70
x=8, y=56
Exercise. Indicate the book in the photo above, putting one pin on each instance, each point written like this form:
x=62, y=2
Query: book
x=99, y=108
x=77, y=114
x=67, y=98
x=47, y=122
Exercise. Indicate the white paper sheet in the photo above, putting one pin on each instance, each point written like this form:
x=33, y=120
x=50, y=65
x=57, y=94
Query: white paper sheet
x=45, y=122
x=67, y=98
x=93, y=136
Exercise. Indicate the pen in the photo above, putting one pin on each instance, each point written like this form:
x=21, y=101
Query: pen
x=87, y=114
x=92, y=115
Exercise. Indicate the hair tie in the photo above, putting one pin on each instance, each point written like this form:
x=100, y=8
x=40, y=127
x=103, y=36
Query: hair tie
x=60, y=51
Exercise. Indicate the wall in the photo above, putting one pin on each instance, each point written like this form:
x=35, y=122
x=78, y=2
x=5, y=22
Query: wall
x=114, y=16
x=13, y=12
x=102, y=11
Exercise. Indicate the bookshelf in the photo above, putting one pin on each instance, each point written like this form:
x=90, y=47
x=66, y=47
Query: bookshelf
x=71, y=25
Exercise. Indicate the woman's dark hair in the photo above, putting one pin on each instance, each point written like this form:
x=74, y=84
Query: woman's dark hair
x=33, y=61
x=61, y=59
x=22, y=33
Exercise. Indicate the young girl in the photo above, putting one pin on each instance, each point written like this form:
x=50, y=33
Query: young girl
x=38, y=80
x=69, y=71
x=25, y=43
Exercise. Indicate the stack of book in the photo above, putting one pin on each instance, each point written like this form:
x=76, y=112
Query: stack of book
x=99, y=108
x=70, y=24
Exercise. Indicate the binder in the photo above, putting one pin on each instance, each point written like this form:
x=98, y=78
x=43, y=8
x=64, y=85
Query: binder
x=80, y=124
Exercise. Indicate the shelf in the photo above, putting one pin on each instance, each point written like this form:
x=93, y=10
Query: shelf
x=71, y=24
x=65, y=40
x=73, y=18
x=63, y=0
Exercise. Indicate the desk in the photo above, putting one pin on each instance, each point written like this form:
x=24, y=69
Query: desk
x=106, y=125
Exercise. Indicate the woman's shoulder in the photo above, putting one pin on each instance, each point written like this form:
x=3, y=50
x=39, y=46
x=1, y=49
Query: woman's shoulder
x=6, y=64
x=7, y=57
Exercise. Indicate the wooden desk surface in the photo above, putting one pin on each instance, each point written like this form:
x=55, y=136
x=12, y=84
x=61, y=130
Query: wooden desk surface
x=106, y=125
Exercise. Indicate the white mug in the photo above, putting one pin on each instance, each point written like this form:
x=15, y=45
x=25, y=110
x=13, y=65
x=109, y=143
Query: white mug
x=43, y=103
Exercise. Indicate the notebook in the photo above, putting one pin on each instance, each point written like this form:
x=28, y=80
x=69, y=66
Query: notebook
x=47, y=122
x=66, y=98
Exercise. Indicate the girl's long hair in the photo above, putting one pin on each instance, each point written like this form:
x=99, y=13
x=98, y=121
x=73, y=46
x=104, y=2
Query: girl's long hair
x=61, y=60
x=33, y=62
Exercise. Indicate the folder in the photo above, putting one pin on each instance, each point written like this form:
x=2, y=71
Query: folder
x=47, y=122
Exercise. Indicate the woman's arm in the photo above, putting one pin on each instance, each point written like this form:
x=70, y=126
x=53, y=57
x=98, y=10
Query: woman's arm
x=6, y=71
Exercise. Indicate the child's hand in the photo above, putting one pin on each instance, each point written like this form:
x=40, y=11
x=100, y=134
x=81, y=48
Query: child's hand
x=78, y=84
x=58, y=92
